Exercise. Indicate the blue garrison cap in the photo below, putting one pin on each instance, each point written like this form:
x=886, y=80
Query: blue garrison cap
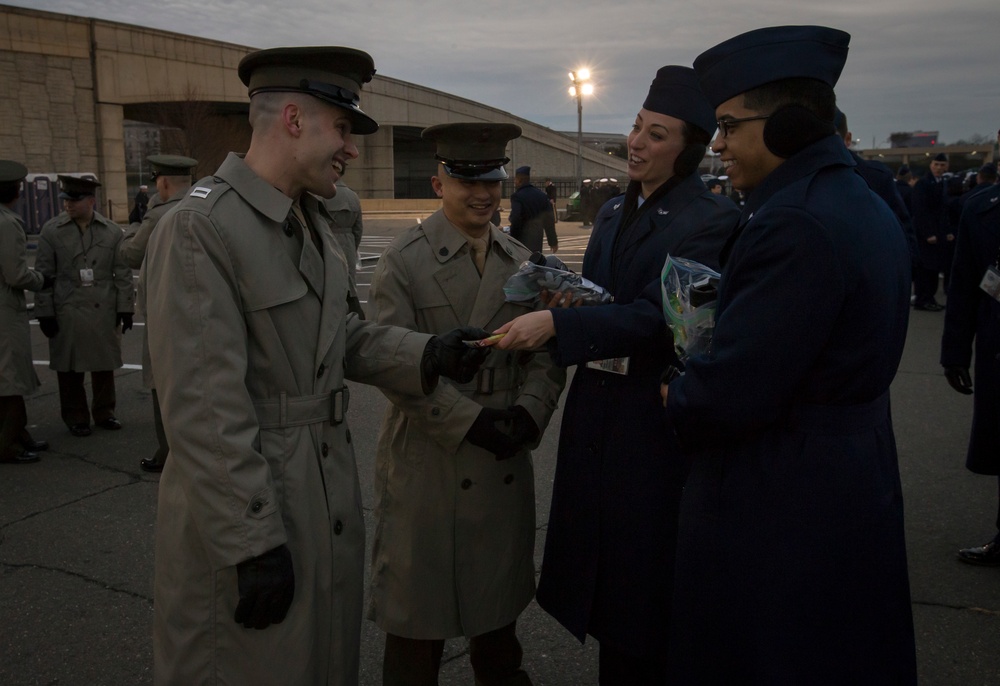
x=770, y=54
x=523, y=171
x=675, y=92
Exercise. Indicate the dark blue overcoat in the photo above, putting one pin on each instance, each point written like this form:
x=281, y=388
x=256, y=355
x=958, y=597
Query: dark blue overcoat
x=930, y=218
x=791, y=563
x=609, y=549
x=972, y=314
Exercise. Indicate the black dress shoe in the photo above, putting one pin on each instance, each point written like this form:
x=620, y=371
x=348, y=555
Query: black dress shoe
x=111, y=424
x=928, y=307
x=22, y=458
x=151, y=466
x=35, y=446
x=80, y=430
x=987, y=555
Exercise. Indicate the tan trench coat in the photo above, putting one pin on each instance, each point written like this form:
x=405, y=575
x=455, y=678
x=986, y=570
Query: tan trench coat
x=249, y=376
x=133, y=251
x=17, y=374
x=88, y=339
x=455, y=531
x=345, y=220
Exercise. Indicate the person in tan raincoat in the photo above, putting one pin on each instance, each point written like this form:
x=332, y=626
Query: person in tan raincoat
x=80, y=315
x=348, y=227
x=172, y=176
x=17, y=375
x=260, y=536
x=454, y=492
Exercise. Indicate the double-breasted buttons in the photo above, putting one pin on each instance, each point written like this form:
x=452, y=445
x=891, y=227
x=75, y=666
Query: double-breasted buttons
x=287, y=228
x=324, y=450
x=256, y=506
x=319, y=372
x=338, y=527
x=466, y=484
x=443, y=252
x=436, y=411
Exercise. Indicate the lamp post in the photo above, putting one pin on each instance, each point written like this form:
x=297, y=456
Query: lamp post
x=581, y=87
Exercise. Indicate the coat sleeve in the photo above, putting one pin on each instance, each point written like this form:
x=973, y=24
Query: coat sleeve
x=446, y=414
x=124, y=288
x=45, y=264
x=13, y=264
x=199, y=370
x=963, y=296
x=132, y=249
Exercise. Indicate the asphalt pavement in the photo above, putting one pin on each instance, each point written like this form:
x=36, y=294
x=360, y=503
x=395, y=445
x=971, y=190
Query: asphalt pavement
x=76, y=529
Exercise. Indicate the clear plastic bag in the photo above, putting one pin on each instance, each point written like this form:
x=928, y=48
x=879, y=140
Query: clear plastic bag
x=527, y=284
x=689, y=293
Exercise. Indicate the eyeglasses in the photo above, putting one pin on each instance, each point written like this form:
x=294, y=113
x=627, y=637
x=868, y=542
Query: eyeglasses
x=726, y=124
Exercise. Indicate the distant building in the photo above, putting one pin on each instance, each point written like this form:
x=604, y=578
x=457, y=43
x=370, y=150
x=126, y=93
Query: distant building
x=913, y=139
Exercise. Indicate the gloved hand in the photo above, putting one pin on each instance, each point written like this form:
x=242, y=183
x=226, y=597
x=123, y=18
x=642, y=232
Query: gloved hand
x=49, y=326
x=523, y=428
x=267, y=586
x=959, y=379
x=125, y=320
x=484, y=433
x=447, y=355
x=47, y=281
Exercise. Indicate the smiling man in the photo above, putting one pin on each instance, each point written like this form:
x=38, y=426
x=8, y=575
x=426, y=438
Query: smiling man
x=454, y=484
x=260, y=535
x=791, y=563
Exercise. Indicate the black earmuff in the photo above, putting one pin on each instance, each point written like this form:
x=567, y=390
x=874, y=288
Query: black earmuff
x=793, y=127
x=688, y=160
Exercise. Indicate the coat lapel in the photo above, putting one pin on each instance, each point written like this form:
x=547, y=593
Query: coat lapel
x=334, y=272
x=500, y=265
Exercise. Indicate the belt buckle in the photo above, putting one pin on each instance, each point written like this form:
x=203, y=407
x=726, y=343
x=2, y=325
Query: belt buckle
x=338, y=405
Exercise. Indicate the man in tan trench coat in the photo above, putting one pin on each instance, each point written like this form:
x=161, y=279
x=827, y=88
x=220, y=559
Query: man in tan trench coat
x=17, y=374
x=454, y=491
x=172, y=176
x=92, y=296
x=345, y=220
x=260, y=537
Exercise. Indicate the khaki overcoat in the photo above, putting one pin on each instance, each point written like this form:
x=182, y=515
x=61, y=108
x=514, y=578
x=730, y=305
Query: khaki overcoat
x=455, y=528
x=251, y=346
x=133, y=251
x=17, y=374
x=88, y=338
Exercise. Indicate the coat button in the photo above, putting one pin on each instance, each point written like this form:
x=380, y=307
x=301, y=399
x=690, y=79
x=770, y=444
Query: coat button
x=257, y=506
x=319, y=372
x=466, y=484
x=592, y=347
x=443, y=252
x=324, y=450
x=436, y=411
x=287, y=228
x=338, y=527
x=509, y=479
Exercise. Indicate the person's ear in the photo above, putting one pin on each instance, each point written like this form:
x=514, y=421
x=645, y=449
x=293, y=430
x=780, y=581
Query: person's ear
x=437, y=186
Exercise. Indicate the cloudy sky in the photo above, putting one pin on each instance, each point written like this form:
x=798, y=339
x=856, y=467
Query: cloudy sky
x=914, y=65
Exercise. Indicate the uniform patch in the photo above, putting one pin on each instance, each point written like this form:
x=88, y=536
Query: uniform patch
x=200, y=192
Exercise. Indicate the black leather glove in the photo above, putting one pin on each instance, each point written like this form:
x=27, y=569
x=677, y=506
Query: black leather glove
x=125, y=320
x=959, y=379
x=523, y=428
x=47, y=281
x=49, y=326
x=267, y=586
x=484, y=433
x=447, y=355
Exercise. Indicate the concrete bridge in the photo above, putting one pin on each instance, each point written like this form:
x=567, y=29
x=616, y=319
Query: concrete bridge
x=72, y=83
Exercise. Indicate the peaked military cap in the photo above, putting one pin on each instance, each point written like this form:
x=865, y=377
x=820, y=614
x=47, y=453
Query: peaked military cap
x=332, y=74
x=11, y=171
x=171, y=165
x=675, y=92
x=770, y=54
x=75, y=188
x=472, y=151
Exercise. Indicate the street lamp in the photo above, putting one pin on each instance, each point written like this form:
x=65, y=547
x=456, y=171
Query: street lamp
x=581, y=87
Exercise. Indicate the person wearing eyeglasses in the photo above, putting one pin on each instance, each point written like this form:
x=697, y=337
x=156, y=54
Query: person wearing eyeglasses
x=609, y=547
x=791, y=561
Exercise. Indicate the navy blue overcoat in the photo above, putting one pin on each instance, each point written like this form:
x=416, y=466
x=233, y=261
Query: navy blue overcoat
x=609, y=549
x=791, y=563
x=972, y=314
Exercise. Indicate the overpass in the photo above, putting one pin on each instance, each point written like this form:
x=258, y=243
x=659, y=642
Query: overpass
x=72, y=84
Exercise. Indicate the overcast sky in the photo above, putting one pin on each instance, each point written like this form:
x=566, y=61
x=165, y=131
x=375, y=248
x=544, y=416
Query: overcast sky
x=927, y=65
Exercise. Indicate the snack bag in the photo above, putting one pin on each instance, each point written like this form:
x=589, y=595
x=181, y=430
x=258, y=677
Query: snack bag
x=689, y=292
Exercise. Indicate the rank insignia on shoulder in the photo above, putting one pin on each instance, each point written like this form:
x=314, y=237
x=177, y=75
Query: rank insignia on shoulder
x=663, y=212
x=200, y=192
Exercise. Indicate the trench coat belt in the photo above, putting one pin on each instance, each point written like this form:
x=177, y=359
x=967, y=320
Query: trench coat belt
x=839, y=419
x=491, y=380
x=301, y=410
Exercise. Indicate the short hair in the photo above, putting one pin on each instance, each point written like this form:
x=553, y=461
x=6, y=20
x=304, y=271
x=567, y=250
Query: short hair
x=815, y=95
x=266, y=106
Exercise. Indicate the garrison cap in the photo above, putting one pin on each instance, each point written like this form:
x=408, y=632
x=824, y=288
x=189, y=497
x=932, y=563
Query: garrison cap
x=989, y=169
x=675, y=92
x=472, y=151
x=523, y=171
x=11, y=171
x=332, y=74
x=940, y=157
x=75, y=188
x=770, y=54
x=172, y=165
